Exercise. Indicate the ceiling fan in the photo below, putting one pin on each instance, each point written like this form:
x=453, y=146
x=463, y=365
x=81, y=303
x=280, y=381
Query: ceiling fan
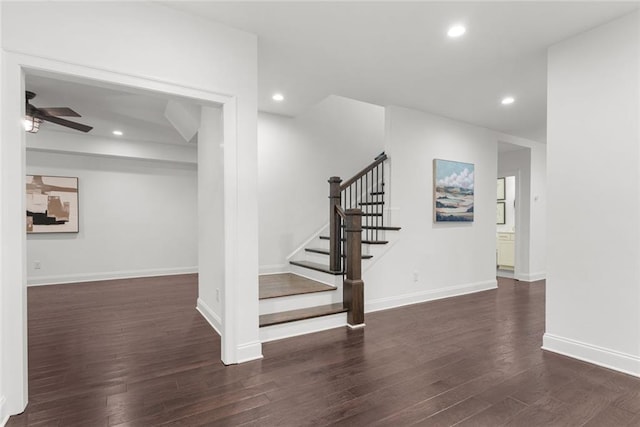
x=36, y=115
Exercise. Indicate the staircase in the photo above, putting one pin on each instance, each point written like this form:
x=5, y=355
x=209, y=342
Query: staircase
x=324, y=288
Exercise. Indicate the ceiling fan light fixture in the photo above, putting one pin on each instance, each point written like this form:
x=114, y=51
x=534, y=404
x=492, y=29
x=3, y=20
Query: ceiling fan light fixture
x=31, y=124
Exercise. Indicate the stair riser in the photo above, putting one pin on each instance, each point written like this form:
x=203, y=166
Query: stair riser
x=329, y=279
x=295, y=302
x=301, y=327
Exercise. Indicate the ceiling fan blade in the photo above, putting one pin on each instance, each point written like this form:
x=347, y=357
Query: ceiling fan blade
x=59, y=111
x=67, y=123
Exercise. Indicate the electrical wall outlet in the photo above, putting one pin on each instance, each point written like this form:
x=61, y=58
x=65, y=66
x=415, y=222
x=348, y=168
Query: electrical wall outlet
x=416, y=276
x=218, y=295
x=37, y=265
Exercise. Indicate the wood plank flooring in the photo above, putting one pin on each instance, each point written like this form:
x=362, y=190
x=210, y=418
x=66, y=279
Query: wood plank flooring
x=285, y=284
x=137, y=353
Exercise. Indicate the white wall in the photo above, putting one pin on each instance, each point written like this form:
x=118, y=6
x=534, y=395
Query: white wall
x=593, y=274
x=336, y=137
x=144, y=45
x=509, y=225
x=446, y=258
x=211, y=216
x=137, y=218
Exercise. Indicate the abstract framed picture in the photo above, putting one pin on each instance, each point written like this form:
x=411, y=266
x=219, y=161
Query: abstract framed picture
x=500, y=214
x=52, y=204
x=501, y=194
x=453, y=189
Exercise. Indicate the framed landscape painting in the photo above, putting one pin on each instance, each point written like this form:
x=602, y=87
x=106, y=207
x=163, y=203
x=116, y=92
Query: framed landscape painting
x=52, y=204
x=453, y=186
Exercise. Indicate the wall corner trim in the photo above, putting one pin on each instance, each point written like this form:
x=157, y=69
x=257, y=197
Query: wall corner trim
x=209, y=315
x=429, y=295
x=4, y=418
x=607, y=358
x=531, y=277
x=249, y=351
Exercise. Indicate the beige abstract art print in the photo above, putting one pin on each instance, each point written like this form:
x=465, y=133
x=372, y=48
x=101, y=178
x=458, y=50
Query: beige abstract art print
x=52, y=204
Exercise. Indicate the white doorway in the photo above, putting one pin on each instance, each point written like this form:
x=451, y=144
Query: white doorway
x=506, y=226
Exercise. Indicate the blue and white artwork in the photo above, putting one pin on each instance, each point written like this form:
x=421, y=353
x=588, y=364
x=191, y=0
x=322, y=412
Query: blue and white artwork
x=453, y=191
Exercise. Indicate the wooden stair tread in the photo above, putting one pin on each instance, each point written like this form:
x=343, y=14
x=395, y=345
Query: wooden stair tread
x=377, y=227
x=287, y=284
x=368, y=242
x=315, y=266
x=370, y=203
x=301, y=314
x=376, y=193
x=326, y=252
x=371, y=214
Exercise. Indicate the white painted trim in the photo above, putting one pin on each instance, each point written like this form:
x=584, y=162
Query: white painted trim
x=249, y=351
x=430, y=295
x=209, y=315
x=5, y=418
x=611, y=359
x=358, y=326
x=274, y=269
x=302, y=327
x=531, y=277
x=111, y=275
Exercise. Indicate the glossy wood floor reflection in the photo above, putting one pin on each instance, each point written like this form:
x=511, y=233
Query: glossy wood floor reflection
x=136, y=353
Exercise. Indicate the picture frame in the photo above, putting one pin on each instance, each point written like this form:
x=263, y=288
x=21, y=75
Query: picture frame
x=500, y=214
x=501, y=193
x=453, y=191
x=52, y=204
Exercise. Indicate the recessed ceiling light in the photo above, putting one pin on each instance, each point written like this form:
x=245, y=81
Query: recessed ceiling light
x=508, y=100
x=278, y=97
x=117, y=132
x=456, y=31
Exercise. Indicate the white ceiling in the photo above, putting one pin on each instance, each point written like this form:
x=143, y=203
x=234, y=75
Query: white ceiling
x=138, y=114
x=386, y=53
x=397, y=53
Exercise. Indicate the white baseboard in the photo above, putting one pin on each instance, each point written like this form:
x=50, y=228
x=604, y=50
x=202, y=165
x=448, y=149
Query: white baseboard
x=531, y=277
x=111, y=275
x=249, y=351
x=611, y=359
x=430, y=295
x=273, y=269
x=210, y=316
x=302, y=327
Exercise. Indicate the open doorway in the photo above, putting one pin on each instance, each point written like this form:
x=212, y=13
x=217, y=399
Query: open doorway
x=506, y=226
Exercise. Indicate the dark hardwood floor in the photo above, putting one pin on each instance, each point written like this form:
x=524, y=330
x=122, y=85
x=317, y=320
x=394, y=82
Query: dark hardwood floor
x=137, y=353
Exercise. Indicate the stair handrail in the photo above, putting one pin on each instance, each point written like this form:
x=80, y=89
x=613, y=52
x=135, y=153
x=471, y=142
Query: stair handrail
x=344, y=209
x=378, y=160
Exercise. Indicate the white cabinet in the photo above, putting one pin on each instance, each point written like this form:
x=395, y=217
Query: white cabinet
x=506, y=250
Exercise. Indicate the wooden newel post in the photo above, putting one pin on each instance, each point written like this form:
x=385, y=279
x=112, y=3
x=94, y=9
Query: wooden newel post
x=353, y=288
x=334, y=224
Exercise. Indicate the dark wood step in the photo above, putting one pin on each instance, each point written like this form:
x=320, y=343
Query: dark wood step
x=370, y=203
x=371, y=214
x=386, y=227
x=326, y=252
x=301, y=314
x=315, y=266
x=377, y=193
x=368, y=242
x=287, y=284
x=378, y=227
